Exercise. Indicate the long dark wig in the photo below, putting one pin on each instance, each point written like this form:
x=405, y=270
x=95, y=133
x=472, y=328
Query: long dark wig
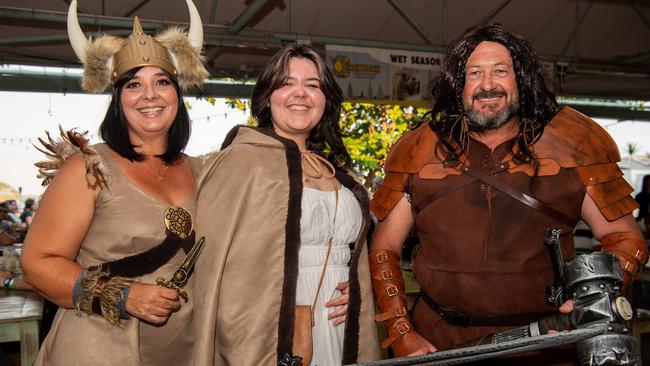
x=326, y=137
x=537, y=104
x=115, y=129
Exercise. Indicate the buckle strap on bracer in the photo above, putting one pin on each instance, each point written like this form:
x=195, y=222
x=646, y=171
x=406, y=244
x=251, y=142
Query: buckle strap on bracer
x=388, y=287
x=631, y=251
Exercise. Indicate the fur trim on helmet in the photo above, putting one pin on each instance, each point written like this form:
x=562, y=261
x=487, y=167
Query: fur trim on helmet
x=97, y=65
x=187, y=60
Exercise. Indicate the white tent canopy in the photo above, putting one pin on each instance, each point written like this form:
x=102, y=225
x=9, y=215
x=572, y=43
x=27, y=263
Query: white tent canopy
x=599, y=48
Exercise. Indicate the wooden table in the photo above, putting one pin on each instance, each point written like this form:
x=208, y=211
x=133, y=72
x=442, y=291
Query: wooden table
x=20, y=315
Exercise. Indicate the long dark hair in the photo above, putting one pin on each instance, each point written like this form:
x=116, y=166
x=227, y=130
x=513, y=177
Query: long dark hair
x=537, y=104
x=326, y=135
x=115, y=129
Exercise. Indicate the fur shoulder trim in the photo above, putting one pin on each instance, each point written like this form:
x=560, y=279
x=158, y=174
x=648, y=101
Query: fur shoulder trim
x=250, y=135
x=187, y=60
x=98, y=62
x=58, y=152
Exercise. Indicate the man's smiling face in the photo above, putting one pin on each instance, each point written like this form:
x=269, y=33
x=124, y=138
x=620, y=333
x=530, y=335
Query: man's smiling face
x=490, y=94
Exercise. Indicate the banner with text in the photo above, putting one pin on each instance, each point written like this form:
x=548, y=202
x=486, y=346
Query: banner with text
x=384, y=75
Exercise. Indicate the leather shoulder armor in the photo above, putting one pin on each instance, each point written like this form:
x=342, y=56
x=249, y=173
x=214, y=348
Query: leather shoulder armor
x=413, y=150
x=570, y=140
x=574, y=140
x=410, y=153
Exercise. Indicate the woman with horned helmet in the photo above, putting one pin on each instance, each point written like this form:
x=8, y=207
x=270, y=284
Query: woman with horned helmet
x=117, y=217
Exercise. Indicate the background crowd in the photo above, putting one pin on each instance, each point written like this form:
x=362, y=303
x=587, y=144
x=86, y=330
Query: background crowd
x=15, y=221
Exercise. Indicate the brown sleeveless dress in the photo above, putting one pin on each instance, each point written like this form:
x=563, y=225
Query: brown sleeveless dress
x=126, y=221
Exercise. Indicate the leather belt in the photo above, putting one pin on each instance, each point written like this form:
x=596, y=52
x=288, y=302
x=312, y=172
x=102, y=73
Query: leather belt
x=461, y=319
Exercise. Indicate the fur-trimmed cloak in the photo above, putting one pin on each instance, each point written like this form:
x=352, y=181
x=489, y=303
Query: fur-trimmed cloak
x=249, y=207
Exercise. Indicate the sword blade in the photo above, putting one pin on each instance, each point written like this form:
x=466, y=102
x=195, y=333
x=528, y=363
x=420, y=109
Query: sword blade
x=193, y=255
x=182, y=273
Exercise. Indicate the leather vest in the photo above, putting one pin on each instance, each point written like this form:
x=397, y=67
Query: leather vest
x=482, y=252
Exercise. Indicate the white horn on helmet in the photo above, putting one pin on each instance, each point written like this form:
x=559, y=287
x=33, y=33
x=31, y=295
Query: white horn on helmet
x=195, y=33
x=76, y=35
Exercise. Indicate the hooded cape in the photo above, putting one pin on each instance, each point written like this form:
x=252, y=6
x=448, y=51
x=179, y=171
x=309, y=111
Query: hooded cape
x=249, y=211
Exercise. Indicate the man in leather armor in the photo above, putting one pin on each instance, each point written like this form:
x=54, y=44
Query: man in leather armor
x=479, y=182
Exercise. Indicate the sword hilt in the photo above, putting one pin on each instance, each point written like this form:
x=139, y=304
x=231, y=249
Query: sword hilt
x=180, y=275
x=160, y=281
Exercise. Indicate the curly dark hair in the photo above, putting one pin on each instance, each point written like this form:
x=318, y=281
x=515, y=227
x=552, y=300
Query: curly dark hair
x=326, y=136
x=537, y=104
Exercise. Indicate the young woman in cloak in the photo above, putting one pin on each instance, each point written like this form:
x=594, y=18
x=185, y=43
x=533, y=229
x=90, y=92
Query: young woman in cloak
x=270, y=202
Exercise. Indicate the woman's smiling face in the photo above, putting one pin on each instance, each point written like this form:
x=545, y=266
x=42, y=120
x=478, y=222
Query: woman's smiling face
x=298, y=106
x=149, y=102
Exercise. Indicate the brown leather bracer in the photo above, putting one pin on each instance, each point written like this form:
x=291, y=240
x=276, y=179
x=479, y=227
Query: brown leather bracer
x=631, y=250
x=388, y=286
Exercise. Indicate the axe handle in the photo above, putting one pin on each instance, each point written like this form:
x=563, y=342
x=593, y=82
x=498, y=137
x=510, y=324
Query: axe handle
x=558, y=322
x=555, y=294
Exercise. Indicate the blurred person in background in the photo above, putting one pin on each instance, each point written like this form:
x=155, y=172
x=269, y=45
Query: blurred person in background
x=643, y=199
x=10, y=282
x=28, y=212
x=9, y=233
x=13, y=213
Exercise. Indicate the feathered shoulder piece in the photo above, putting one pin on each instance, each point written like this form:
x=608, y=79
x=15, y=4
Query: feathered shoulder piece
x=58, y=152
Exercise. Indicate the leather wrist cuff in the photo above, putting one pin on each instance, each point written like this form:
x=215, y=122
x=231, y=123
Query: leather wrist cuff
x=388, y=286
x=631, y=251
x=97, y=294
x=396, y=332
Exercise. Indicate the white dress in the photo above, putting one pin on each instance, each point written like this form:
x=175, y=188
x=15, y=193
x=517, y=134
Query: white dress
x=316, y=226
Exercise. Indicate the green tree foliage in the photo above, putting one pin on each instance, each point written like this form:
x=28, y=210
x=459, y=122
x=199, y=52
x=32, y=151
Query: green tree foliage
x=242, y=105
x=371, y=130
x=208, y=99
x=239, y=104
